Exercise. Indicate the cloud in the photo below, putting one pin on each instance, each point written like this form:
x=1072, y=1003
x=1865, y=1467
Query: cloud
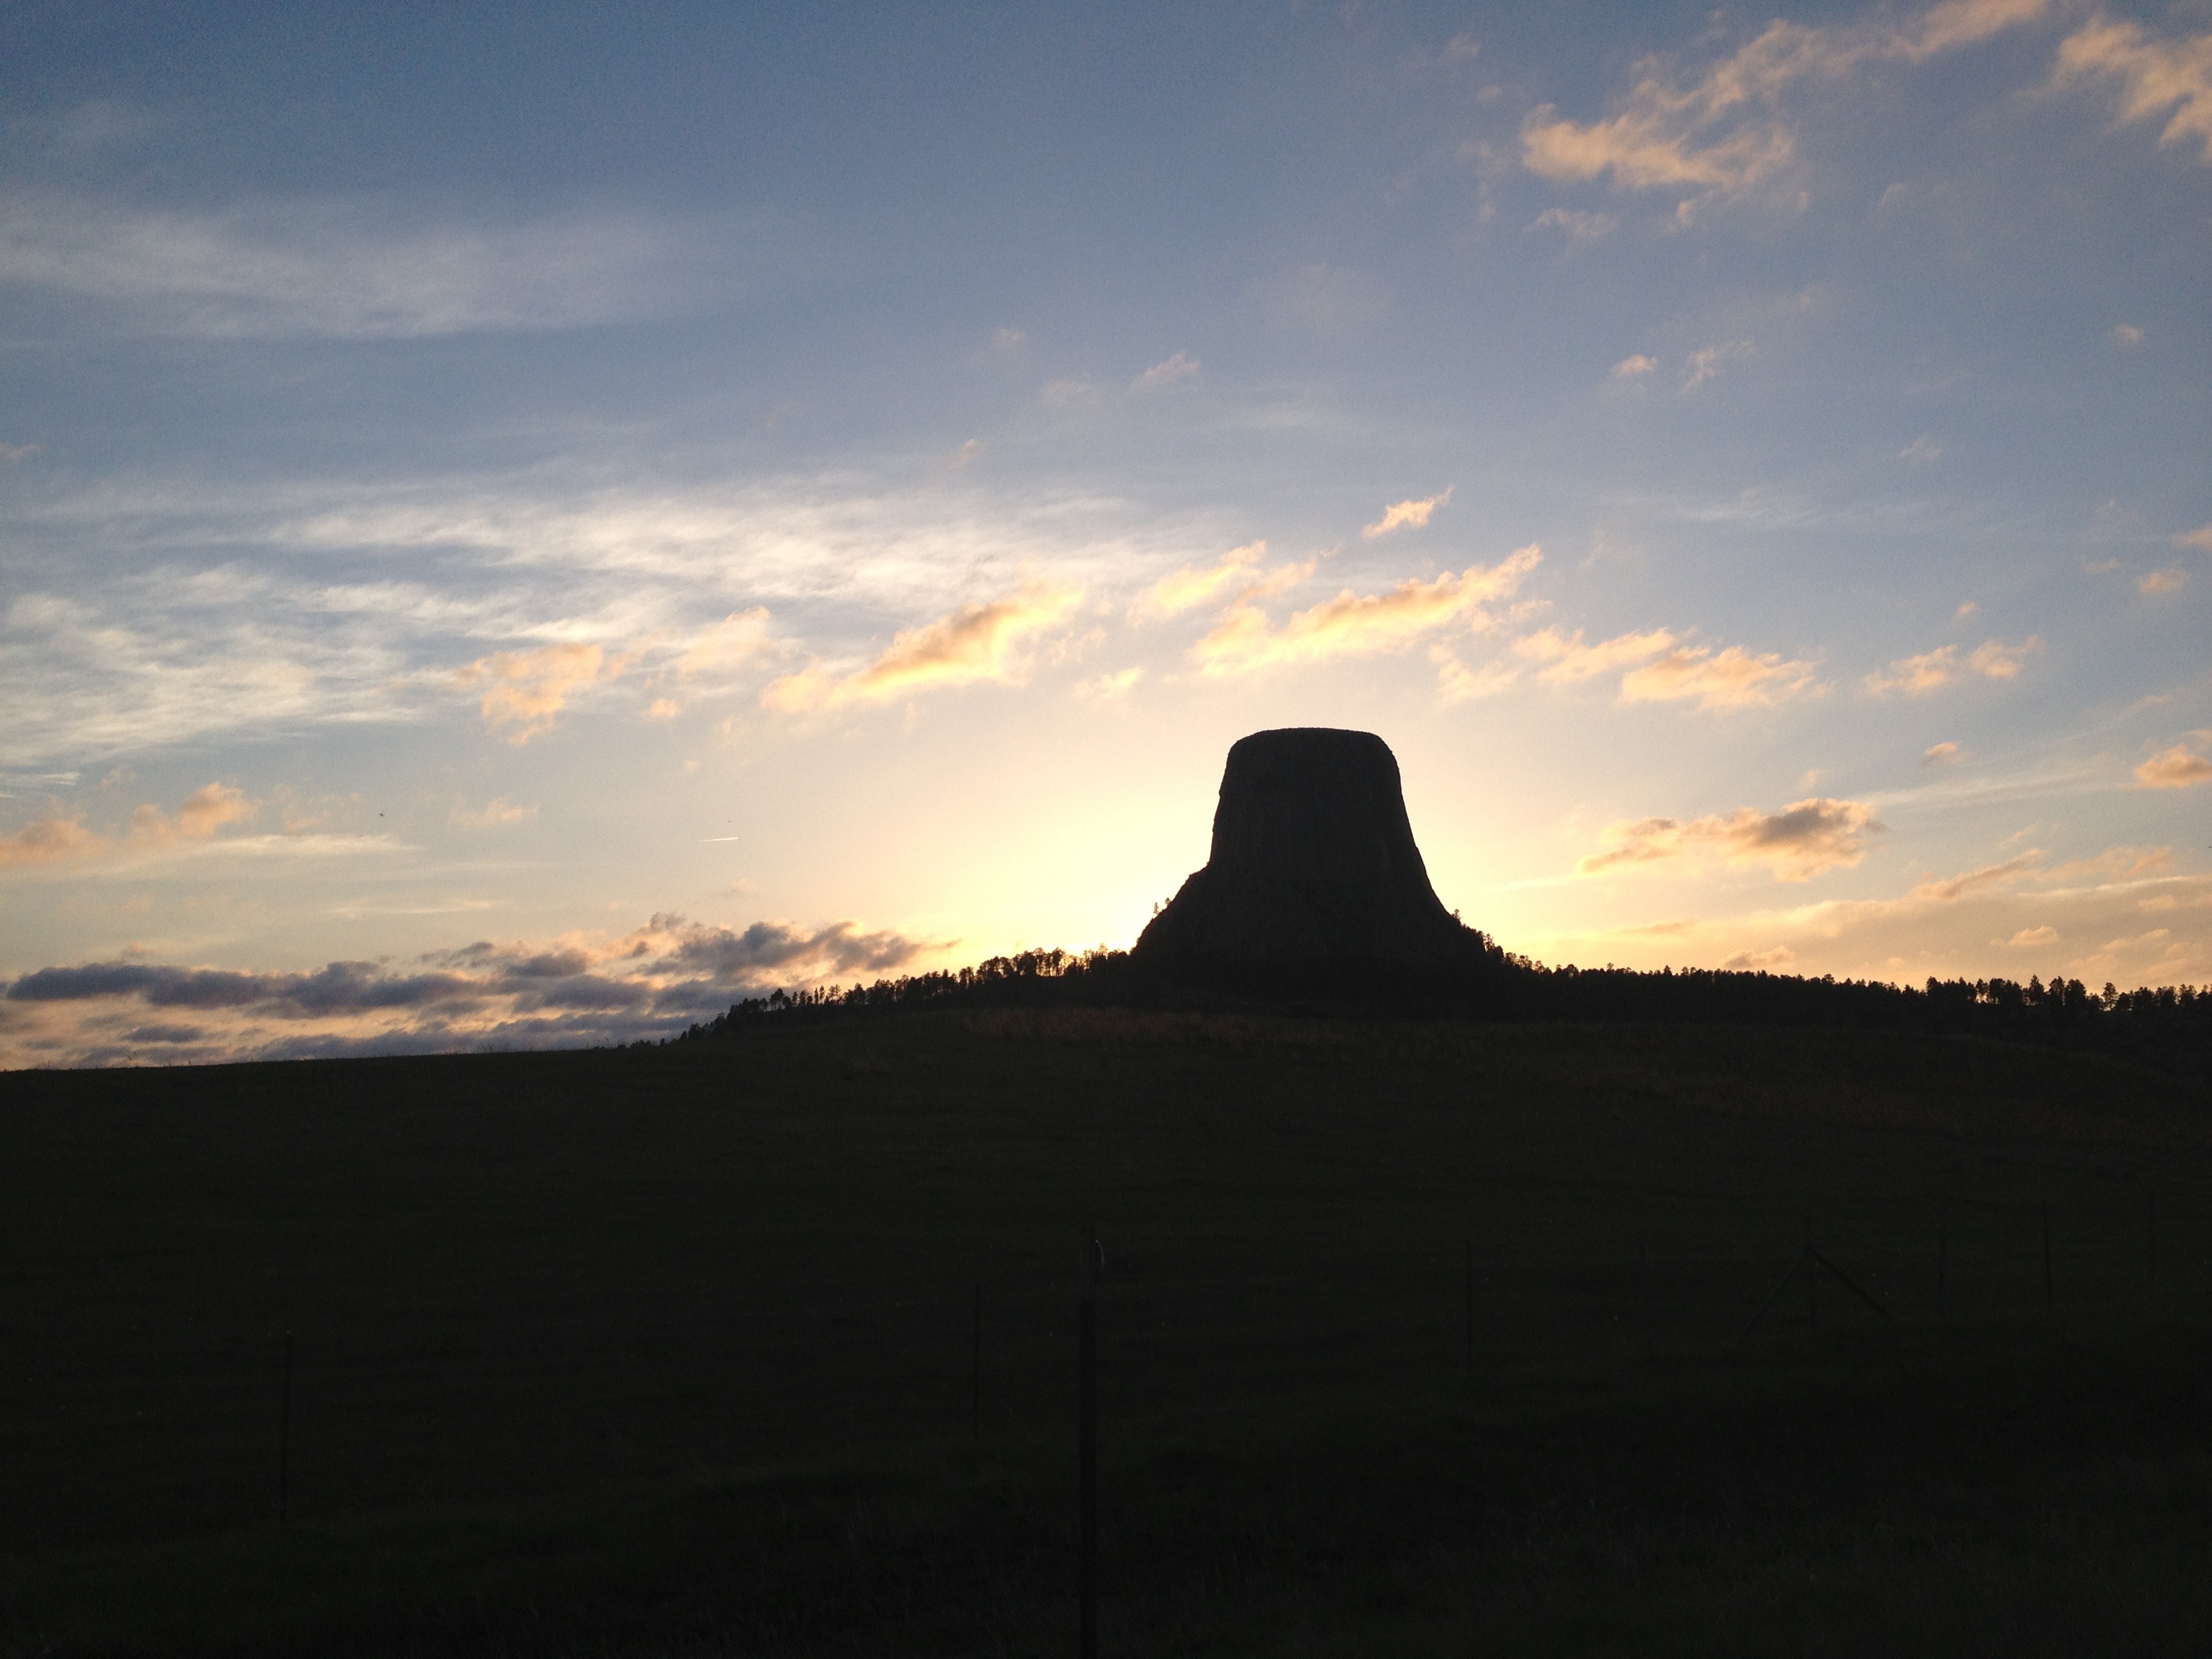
x=2154, y=77
x=2172, y=579
x=1921, y=452
x=565, y=991
x=1068, y=391
x=1399, y=514
x=976, y=642
x=1752, y=962
x=1579, y=226
x=1723, y=136
x=2045, y=935
x=2201, y=538
x=58, y=839
x=352, y=269
x=495, y=814
x=527, y=689
x=737, y=641
x=1457, y=683
x=1629, y=367
x=48, y=841
x=1325, y=299
x=1989, y=875
x=2126, y=334
x=1942, y=754
x=1572, y=661
x=1193, y=585
x=1707, y=362
x=1244, y=642
x=1797, y=843
x=1008, y=339
x=2174, y=769
x=1932, y=671
x=1733, y=679
x=19, y=451
x=217, y=617
x=1110, y=688
x=1179, y=366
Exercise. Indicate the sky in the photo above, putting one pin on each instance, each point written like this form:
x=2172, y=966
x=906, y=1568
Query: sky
x=522, y=525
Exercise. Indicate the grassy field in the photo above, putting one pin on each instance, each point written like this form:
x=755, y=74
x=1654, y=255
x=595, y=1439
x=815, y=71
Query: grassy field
x=672, y=1352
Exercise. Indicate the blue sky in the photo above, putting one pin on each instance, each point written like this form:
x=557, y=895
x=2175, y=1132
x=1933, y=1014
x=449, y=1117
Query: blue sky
x=525, y=525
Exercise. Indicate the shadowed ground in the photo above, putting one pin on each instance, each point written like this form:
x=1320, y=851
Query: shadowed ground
x=669, y=1352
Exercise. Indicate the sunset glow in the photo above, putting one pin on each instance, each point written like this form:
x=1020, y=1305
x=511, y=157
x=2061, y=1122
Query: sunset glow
x=526, y=529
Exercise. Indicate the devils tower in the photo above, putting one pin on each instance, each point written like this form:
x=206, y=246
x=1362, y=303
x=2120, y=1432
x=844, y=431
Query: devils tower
x=1313, y=873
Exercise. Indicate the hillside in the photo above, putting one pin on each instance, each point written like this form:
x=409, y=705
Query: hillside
x=672, y=1350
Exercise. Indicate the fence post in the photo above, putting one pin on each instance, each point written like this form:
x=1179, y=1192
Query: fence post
x=285, y=1440
x=1470, y=1307
x=1812, y=1274
x=2150, y=1230
x=1087, y=1453
x=1943, y=1255
x=2050, y=1288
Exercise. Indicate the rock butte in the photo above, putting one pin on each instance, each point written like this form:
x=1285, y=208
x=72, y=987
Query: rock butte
x=1313, y=870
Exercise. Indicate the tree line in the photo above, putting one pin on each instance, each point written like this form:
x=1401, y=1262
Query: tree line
x=2168, y=1026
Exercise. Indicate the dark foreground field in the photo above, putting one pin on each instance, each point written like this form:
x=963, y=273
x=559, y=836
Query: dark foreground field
x=671, y=1352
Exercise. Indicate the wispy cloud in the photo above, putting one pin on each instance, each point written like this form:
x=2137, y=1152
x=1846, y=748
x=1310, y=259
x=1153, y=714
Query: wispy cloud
x=2172, y=579
x=1244, y=642
x=1180, y=367
x=1571, y=661
x=497, y=813
x=979, y=641
x=1579, y=226
x=1457, y=683
x=1723, y=134
x=1629, y=367
x=2156, y=78
x=1708, y=362
x=737, y=642
x=1932, y=671
x=1194, y=585
x=1797, y=843
x=350, y=269
x=1733, y=679
x=1401, y=515
x=1942, y=754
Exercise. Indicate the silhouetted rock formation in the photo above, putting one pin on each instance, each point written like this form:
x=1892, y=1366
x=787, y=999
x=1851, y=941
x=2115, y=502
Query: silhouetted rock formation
x=1313, y=875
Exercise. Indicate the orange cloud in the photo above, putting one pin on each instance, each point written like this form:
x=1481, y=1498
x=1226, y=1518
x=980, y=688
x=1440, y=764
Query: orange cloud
x=1400, y=514
x=62, y=840
x=734, y=642
x=976, y=642
x=2174, y=769
x=48, y=841
x=1243, y=641
x=2154, y=77
x=1721, y=135
x=529, y=687
x=1733, y=679
x=1931, y=671
x=1799, y=841
x=1190, y=586
x=1571, y=661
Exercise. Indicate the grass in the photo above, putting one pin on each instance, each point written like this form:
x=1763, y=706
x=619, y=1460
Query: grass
x=668, y=1352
